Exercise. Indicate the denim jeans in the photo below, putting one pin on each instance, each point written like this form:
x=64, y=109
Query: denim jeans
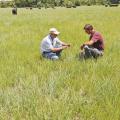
x=51, y=55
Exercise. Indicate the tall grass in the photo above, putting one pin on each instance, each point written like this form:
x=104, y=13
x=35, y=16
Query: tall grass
x=32, y=88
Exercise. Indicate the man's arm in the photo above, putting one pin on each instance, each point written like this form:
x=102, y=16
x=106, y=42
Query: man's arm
x=65, y=44
x=87, y=43
x=58, y=49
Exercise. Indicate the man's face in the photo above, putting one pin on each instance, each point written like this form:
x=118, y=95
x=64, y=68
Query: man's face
x=88, y=31
x=54, y=35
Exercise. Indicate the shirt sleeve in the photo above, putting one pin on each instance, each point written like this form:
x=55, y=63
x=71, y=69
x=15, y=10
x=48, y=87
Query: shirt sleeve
x=96, y=37
x=59, y=41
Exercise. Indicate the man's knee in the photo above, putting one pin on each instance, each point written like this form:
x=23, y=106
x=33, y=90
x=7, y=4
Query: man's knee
x=54, y=58
x=86, y=48
x=97, y=53
x=50, y=55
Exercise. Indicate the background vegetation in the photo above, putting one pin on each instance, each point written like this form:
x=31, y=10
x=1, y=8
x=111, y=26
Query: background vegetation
x=32, y=88
x=54, y=3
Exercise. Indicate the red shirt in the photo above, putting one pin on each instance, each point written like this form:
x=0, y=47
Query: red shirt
x=98, y=40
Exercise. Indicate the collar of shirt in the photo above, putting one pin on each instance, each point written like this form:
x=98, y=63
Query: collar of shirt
x=91, y=35
x=52, y=40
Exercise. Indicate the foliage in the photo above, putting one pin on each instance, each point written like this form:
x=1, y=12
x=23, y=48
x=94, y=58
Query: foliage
x=53, y=3
x=4, y=4
x=69, y=4
x=77, y=2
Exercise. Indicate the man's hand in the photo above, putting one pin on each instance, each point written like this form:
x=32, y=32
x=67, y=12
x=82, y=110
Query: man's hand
x=68, y=45
x=82, y=46
x=64, y=47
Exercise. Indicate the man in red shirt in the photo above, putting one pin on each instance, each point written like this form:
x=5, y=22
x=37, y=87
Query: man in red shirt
x=94, y=47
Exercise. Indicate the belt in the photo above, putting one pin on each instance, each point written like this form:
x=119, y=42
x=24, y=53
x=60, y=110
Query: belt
x=45, y=52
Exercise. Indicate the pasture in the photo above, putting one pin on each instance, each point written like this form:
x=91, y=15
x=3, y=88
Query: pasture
x=32, y=88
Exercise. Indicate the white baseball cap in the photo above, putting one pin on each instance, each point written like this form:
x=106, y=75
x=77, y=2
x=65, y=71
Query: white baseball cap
x=54, y=31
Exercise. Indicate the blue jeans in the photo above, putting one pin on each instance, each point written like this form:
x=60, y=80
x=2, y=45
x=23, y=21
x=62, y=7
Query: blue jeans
x=51, y=55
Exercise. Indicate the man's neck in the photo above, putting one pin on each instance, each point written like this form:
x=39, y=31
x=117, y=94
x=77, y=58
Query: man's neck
x=92, y=32
x=52, y=38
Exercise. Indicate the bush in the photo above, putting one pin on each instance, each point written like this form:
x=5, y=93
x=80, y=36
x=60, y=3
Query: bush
x=4, y=5
x=53, y=6
x=69, y=4
x=39, y=5
x=77, y=3
x=106, y=5
x=46, y=5
x=74, y=6
x=88, y=4
x=34, y=6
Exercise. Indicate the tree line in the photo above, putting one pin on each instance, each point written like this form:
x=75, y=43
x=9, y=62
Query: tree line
x=54, y=3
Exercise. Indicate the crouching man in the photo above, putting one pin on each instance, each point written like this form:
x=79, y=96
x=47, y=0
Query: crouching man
x=51, y=46
x=94, y=47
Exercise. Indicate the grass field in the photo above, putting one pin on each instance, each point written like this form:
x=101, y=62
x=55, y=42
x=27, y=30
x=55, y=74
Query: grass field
x=32, y=88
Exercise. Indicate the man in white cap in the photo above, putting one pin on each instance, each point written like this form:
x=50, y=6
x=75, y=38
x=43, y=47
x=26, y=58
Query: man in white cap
x=51, y=46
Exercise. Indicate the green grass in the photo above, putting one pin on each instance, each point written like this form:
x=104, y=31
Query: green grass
x=32, y=88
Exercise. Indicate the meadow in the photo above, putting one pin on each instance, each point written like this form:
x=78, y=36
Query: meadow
x=33, y=88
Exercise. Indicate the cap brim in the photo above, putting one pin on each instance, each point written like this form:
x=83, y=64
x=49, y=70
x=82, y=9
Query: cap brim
x=56, y=33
